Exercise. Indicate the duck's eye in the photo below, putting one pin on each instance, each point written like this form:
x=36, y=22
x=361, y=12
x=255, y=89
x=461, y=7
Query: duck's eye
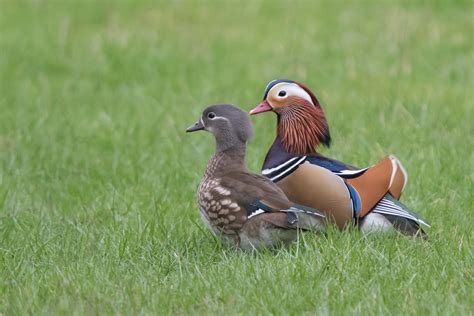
x=211, y=115
x=282, y=93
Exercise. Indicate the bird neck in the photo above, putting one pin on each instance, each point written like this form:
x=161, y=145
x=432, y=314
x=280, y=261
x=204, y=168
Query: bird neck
x=236, y=153
x=302, y=127
x=229, y=158
x=277, y=154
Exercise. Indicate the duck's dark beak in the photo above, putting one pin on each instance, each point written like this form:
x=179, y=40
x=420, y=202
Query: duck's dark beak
x=198, y=126
x=262, y=107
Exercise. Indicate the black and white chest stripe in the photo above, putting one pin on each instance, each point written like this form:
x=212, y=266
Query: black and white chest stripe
x=287, y=167
x=282, y=170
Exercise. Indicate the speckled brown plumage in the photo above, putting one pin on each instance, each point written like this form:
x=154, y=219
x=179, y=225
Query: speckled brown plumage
x=219, y=210
x=244, y=209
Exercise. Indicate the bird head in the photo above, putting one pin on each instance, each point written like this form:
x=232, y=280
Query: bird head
x=229, y=125
x=302, y=125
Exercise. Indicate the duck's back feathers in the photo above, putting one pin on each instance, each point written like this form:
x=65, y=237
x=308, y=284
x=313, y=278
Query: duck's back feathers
x=248, y=188
x=333, y=165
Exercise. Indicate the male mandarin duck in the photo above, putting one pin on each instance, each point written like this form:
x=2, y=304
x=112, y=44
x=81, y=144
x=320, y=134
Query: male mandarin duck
x=366, y=197
x=244, y=209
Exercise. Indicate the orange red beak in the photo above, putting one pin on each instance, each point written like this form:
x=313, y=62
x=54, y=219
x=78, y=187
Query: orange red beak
x=262, y=107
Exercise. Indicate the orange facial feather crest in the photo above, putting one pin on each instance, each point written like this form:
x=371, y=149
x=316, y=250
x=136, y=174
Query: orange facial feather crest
x=302, y=127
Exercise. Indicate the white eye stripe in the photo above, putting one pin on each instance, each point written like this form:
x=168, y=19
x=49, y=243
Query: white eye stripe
x=221, y=118
x=215, y=118
x=292, y=89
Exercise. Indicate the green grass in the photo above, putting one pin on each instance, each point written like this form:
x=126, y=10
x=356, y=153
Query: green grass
x=98, y=179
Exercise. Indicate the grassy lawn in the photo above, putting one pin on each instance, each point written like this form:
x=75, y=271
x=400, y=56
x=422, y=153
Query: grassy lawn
x=98, y=180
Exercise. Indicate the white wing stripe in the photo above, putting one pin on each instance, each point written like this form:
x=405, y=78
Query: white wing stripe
x=255, y=213
x=390, y=208
x=394, y=212
x=349, y=172
x=379, y=211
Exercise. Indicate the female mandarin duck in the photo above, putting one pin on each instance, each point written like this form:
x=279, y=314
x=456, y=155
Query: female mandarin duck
x=367, y=197
x=244, y=209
